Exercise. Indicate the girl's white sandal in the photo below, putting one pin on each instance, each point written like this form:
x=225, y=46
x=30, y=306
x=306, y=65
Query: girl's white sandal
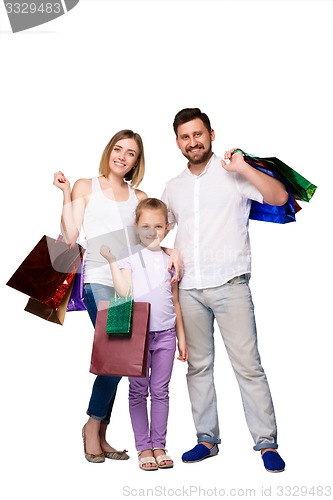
x=163, y=458
x=147, y=460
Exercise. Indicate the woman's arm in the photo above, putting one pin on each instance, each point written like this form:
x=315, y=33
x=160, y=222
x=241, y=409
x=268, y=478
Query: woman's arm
x=74, y=204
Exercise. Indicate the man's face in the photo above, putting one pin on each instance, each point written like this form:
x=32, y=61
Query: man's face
x=195, y=142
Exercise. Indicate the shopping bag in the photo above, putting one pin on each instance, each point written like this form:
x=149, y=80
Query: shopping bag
x=76, y=299
x=46, y=312
x=301, y=188
x=120, y=313
x=46, y=273
x=298, y=187
x=121, y=356
x=274, y=213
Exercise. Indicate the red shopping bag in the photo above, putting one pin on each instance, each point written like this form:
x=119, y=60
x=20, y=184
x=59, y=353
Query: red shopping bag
x=48, y=271
x=121, y=356
x=48, y=313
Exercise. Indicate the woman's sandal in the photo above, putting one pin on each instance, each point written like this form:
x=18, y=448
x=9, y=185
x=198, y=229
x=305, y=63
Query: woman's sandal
x=163, y=458
x=95, y=459
x=116, y=455
x=147, y=460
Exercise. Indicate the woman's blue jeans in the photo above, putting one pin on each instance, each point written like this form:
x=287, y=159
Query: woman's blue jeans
x=105, y=387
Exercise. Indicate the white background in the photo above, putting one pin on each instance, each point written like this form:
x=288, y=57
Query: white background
x=262, y=71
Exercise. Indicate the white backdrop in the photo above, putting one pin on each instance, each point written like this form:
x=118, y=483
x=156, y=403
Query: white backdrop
x=262, y=71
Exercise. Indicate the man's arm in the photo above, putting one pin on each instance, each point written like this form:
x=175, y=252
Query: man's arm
x=175, y=260
x=272, y=190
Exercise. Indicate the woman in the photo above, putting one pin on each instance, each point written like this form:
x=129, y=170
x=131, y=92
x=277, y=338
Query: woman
x=104, y=207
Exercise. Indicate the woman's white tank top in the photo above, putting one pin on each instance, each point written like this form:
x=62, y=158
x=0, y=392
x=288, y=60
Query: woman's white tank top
x=107, y=222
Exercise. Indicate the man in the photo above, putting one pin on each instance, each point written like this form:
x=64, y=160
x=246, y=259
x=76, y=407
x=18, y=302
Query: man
x=210, y=202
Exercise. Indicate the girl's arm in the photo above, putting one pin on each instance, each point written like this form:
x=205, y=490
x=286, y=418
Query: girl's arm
x=122, y=278
x=182, y=349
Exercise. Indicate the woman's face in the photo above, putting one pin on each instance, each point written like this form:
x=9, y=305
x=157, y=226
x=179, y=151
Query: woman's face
x=124, y=157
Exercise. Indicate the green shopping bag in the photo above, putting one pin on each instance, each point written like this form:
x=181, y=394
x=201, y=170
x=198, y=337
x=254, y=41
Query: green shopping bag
x=119, y=319
x=301, y=188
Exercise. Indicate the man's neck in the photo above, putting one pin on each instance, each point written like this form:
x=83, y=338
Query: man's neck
x=198, y=168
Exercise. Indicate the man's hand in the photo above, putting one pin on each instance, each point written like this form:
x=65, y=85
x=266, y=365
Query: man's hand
x=176, y=262
x=272, y=190
x=236, y=160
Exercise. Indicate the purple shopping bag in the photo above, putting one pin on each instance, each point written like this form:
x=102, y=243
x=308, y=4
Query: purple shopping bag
x=76, y=300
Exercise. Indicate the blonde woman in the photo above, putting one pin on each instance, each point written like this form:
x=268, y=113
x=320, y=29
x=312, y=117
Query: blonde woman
x=104, y=208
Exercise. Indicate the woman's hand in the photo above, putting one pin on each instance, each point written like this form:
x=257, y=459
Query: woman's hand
x=61, y=181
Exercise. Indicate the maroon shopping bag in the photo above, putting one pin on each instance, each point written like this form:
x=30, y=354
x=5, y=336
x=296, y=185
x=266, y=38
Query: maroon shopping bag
x=47, y=272
x=121, y=356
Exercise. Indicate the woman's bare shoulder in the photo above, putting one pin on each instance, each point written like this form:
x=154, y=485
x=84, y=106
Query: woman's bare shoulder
x=141, y=195
x=82, y=187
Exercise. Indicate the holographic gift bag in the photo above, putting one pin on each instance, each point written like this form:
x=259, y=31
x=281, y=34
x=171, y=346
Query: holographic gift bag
x=298, y=187
x=119, y=320
x=46, y=312
x=76, y=300
x=274, y=213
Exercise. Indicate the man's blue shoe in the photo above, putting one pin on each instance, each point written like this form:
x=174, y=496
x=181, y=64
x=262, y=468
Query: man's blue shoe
x=199, y=452
x=273, y=462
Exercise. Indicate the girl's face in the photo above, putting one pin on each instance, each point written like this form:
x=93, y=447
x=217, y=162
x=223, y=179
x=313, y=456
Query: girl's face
x=152, y=228
x=124, y=157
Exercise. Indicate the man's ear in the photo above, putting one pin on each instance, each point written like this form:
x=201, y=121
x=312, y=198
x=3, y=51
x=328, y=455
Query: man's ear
x=212, y=135
x=177, y=142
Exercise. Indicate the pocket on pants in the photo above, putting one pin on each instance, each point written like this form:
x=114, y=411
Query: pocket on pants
x=240, y=280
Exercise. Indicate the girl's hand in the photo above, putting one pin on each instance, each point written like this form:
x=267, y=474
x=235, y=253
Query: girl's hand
x=106, y=253
x=61, y=182
x=183, y=352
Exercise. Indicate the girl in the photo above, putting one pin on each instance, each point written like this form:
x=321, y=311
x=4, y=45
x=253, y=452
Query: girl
x=104, y=207
x=147, y=269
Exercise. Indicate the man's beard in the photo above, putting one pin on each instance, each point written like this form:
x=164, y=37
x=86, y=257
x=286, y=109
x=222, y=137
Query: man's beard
x=201, y=157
